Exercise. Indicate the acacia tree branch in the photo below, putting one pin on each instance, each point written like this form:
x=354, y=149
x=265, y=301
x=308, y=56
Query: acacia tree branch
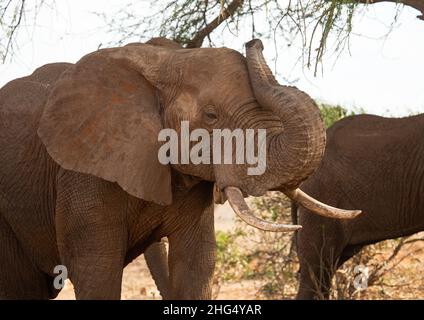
x=225, y=13
x=5, y=9
x=416, y=4
x=13, y=28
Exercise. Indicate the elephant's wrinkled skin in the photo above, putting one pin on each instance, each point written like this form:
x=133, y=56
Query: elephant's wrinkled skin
x=80, y=180
x=371, y=163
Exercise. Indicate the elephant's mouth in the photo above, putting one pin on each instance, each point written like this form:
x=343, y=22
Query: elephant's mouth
x=240, y=207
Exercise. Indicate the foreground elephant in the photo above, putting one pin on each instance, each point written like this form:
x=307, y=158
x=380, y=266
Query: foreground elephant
x=372, y=163
x=80, y=180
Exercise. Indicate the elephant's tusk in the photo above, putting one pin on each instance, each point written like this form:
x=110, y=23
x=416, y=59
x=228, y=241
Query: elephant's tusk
x=320, y=208
x=240, y=207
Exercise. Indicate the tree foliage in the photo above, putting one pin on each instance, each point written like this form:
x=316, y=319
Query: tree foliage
x=194, y=22
x=331, y=114
x=13, y=15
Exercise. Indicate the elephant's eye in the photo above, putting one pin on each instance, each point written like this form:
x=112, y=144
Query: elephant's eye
x=210, y=116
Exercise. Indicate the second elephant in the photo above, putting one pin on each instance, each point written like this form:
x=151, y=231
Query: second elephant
x=372, y=163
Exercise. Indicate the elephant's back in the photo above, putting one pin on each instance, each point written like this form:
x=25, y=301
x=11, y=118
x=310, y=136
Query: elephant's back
x=21, y=98
x=22, y=155
x=373, y=132
x=364, y=140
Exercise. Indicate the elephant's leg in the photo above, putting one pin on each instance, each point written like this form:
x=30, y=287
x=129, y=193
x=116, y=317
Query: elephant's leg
x=317, y=270
x=192, y=258
x=92, y=234
x=320, y=244
x=19, y=277
x=157, y=260
x=315, y=278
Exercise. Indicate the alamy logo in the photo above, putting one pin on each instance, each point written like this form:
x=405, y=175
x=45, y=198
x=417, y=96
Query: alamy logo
x=177, y=151
x=62, y=275
x=361, y=277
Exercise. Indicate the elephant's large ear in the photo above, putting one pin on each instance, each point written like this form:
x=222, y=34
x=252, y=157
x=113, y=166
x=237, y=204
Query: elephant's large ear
x=102, y=118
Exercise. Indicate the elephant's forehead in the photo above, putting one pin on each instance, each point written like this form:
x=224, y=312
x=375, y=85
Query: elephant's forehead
x=214, y=72
x=213, y=60
x=231, y=74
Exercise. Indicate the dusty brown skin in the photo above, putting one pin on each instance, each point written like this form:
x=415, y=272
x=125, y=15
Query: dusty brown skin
x=372, y=163
x=80, y=182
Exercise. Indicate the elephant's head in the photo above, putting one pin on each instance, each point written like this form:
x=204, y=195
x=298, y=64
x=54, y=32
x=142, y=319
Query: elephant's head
x=104, y=115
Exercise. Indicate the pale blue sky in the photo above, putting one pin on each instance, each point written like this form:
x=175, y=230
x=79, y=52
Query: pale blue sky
x=384, y=76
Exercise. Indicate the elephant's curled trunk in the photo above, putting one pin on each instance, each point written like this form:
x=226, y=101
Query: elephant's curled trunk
x=295, y=152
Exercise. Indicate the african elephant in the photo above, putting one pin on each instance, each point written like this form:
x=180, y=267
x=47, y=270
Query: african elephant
x=372, y=163
x=82, y=184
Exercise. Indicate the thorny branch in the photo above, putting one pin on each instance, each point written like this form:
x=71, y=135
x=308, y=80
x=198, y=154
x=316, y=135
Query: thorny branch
x=190, y=22
x=13, y=27
x=15, y=14
x=224, y=14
